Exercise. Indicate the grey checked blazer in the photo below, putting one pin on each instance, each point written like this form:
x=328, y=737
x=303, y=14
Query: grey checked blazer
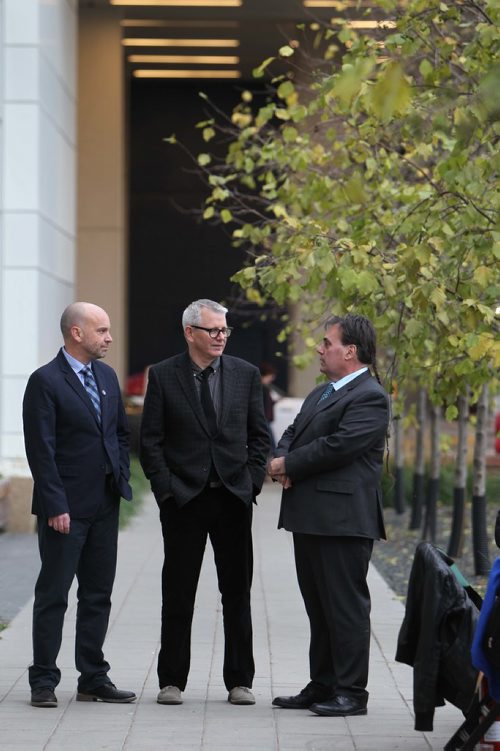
x=177, y=449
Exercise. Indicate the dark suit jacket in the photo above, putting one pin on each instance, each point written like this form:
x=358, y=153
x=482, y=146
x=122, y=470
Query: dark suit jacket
x=67, y=450
x=334, y=455
x=177, y=449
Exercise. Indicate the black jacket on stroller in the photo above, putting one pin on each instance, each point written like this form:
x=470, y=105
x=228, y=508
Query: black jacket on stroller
x=436, y=635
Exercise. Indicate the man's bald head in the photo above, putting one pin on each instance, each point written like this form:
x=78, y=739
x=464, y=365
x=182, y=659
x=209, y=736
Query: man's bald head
x=77, y=314
x=86, y=331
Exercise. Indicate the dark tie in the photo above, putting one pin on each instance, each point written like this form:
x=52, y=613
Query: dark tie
x=326, y=393
x=91, y=389
x=206, y=400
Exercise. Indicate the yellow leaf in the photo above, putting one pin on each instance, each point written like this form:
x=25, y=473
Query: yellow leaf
x=482, y=348
x=438, y=297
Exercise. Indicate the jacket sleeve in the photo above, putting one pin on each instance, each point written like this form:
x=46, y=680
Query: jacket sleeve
x=123, y=436
x=39, y=423
x=153, y=437
x=257, y=434
x=361, y=427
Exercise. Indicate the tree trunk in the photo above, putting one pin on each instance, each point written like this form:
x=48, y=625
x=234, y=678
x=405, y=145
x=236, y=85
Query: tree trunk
x=479, y=521
x=429, y=530
x=399, y=461
x=418, y=474
x=457, y=525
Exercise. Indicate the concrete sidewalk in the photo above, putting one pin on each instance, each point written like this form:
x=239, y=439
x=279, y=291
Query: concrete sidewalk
x=206, y=720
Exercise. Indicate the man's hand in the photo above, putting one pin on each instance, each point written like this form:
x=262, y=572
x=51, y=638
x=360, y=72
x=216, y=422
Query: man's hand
x=276, y=466
x=277, y=472
x=60, y=523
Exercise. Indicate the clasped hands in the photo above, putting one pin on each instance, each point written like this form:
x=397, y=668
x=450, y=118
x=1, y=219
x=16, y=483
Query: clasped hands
x=277, y=471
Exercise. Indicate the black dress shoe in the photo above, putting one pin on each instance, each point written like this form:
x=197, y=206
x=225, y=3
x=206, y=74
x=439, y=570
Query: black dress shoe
x=109, y=693
x=43, y=697
x=309, y=695
x=340, y=706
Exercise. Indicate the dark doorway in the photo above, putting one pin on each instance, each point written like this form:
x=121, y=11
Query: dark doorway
x=174, y=256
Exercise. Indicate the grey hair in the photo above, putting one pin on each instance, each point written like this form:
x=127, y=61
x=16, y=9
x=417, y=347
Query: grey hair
x=192, y=314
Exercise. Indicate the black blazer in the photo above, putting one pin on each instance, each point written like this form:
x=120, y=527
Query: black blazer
x=334, y=456
x=177, y=449
x=67, y=450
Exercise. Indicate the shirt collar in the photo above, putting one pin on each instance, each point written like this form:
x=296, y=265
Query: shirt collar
x=75, y=364
x=215, y=365
x=348, y=378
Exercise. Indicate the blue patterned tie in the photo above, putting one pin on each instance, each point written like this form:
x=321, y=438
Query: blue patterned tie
x=91, y=389
x=326, y=393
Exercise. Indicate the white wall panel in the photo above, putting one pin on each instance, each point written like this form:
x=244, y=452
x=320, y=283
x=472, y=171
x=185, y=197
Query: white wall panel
x=19, y=342
x=21, y=21
x=56, y=253
x=12, y=401
x=21, y=156
x=57, y=171
x=37, y=198
x=20, y=239
x=21, y=74
x=58, y=104
x=12, y=453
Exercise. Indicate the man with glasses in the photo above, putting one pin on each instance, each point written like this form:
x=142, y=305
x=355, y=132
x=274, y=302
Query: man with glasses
x=204, y=446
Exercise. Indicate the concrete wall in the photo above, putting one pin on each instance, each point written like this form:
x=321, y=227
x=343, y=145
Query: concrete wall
x=37, y=199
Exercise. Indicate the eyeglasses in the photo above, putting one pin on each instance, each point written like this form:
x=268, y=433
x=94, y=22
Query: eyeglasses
x=214, y=333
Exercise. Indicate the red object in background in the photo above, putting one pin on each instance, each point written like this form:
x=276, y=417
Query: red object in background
x=497, y=433
x=135, y=385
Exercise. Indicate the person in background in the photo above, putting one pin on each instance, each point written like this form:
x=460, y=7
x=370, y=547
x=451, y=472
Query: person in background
x=267, y=376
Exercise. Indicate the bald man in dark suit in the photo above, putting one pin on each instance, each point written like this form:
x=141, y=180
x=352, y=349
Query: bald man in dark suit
x=77, y=441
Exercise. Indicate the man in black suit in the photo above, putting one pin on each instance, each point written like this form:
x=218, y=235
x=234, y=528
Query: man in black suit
x=329, y=462
x=204, y=445
x=77, y=439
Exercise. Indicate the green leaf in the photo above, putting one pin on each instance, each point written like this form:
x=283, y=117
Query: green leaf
x=286, y=51
x=451, y=413
x=348, y=83
x=290, y=134
x=426, y=69
x=259, y=72
x=226, y=216
x=285, y=90
x=391, y=95
x=204, y=159
x=354, y=188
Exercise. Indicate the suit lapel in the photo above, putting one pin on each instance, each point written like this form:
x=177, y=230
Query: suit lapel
x=228, y=387
x=186, y=382
x=314, y=408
